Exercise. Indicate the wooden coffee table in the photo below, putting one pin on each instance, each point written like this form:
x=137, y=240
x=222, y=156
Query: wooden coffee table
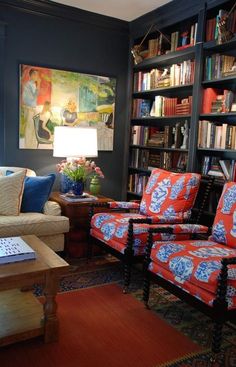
x=22, y=316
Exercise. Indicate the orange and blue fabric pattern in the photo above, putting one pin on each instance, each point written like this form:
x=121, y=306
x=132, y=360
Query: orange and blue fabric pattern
x=170, y=194
x=224, y=227
x=195, y=265
x=112, y=228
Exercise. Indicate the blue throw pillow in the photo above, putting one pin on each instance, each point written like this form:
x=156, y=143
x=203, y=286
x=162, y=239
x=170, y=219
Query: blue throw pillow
x=36, y=192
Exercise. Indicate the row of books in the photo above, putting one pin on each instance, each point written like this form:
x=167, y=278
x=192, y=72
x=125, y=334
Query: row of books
x=211, y=135
x=139, y=135
x=170, y=136
x=139, y=158
x=179, y=41
x=144, y=159
x=141, y=108
x=154, y=47
x=218, y=101
x=176, y=74
x=219, y=66
x=212, y=25
x=163, y=106
x=137, y=183
x=219, y=168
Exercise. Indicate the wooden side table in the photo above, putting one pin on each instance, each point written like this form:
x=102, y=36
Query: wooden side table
x=78, y=214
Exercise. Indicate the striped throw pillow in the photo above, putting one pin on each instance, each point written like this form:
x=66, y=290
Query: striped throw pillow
x=11, y=191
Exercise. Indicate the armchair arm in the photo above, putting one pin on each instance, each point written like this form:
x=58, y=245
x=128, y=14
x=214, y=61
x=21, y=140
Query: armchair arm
x=52, y=208
x=185, y=228
x=124, y=205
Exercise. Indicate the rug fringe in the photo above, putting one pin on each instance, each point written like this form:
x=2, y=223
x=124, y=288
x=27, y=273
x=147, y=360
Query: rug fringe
x=183, y=359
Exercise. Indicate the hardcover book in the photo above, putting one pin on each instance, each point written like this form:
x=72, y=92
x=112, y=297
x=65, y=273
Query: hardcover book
x=13, y=249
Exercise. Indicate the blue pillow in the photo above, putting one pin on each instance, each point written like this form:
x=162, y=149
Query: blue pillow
x=36, y=192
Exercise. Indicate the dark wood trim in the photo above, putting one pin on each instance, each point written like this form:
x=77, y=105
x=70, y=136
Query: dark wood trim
x=3, y=34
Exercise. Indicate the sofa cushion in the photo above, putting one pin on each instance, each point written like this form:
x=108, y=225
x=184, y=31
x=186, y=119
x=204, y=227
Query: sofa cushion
x=11, y=190
x=194, y=262
x=36, y=193
x=170, y=193
x=33, y=223
x=224, y=227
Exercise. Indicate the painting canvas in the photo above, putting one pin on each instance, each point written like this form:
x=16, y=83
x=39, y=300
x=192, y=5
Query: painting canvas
x=50, y=97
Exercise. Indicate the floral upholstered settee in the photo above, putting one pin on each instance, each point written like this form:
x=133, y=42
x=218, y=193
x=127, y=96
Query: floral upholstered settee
x=49, y=225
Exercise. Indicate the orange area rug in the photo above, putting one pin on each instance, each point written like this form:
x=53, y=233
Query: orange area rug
x=101, y=327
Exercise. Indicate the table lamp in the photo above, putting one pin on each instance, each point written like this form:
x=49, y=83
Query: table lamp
x=74, y=143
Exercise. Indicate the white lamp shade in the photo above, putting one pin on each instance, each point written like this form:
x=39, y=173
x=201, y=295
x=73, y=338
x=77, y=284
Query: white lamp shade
x=75, y=142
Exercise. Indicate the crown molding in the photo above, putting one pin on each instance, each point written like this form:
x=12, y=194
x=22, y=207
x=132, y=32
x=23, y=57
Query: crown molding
x=47, y=8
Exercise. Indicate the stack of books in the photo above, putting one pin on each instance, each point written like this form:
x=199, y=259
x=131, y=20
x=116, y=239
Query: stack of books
x=163, y=106
x=221, y=169
x=141, y=108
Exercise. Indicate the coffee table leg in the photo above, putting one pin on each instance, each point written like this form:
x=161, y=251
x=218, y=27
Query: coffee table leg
x=51, y=323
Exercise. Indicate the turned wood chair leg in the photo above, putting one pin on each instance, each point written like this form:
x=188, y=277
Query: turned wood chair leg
x=216, y=340
x=146, y=291
x=89, y=248
x=127, y=276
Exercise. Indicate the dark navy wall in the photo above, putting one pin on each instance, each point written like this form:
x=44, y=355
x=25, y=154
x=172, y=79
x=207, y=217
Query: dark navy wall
x=42, y=33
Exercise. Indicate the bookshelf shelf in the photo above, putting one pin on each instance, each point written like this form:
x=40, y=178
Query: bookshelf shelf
x=214, y=150
x=134, y=194
x=159, y=148
x=169, y=91
x=153, y=121
x=139, y=170
x=219, y=116
x=167, y=59
x=226, y=47
x=221, y=83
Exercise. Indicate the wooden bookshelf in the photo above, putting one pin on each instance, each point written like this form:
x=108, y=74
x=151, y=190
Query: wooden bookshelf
x=199, y=52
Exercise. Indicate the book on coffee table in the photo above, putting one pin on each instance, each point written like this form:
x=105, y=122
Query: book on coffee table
x=78, y=198
x=13, y=249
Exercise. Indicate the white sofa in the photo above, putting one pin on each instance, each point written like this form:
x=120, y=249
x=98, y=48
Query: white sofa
x=49, y=226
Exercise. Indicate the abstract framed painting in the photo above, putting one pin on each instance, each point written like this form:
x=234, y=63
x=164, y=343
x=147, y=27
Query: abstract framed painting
x=51, y=97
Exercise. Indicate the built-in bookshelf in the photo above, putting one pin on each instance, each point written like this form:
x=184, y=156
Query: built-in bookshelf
x=216, y=143
x=183, y=114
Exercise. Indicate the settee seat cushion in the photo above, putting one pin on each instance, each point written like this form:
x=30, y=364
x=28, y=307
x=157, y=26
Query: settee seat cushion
x=200, y=293
x=112, y=229
x=193, y=265
x=33, y=223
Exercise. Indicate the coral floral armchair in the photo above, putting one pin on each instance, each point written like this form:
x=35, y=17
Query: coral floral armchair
x=202, y=272
x=168, y=198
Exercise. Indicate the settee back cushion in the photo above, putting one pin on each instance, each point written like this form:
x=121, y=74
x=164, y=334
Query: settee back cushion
x=224, y=227
x=170, y=194
x=11, y=191
x=3, y=170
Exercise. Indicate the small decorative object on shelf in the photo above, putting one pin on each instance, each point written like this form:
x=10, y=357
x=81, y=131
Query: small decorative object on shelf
x=136, y=49
x=185, y=131
x=225, y=34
